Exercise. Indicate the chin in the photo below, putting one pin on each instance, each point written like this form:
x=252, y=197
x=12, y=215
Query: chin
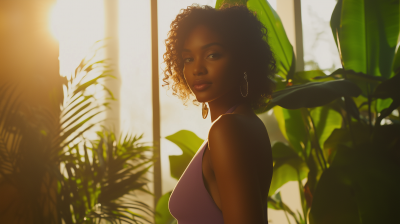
x=203, y=98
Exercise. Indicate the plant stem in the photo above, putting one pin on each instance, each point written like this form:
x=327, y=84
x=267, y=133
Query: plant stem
x=369, y=108
x=348, y=117
x=305, y=115
x=302, y=197
x=318, y=147
x=287, y=217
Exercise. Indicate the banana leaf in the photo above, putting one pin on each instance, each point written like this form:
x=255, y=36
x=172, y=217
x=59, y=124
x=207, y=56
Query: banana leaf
x=359, y=187
x=314, y=94
x=366, y=32
x=289, y=166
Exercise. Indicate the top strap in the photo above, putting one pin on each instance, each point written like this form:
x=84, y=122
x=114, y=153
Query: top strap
x=232, y=109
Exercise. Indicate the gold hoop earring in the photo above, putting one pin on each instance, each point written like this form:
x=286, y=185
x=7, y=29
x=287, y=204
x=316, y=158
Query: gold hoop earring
x=204, y=110
x=247, y=86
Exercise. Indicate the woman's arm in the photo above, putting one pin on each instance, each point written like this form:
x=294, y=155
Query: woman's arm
x=233, y=162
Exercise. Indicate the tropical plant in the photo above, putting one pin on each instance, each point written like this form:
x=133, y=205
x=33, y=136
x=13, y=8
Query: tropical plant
x=35, y=143
x=343, y=129
x=97, y=180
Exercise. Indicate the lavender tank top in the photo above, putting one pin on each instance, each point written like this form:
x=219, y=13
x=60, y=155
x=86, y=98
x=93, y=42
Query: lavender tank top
x=190, y=202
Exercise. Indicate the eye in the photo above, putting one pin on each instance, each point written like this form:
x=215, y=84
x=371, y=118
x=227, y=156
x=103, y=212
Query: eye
x=213, y=56
x=185, y=60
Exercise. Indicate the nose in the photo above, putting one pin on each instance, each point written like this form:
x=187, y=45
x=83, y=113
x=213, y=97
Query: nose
x=199, y=68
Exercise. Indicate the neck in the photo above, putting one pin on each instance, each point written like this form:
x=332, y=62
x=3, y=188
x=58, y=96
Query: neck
x=222, y=104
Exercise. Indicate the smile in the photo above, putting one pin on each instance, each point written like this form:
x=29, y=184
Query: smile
x=201, y=87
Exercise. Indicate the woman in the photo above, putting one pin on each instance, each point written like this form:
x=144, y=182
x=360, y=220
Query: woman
x=221, y=58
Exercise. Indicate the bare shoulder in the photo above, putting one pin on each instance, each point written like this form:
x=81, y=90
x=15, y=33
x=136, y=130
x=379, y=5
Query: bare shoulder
x=235, y=125
x=238, y=135
x=233, y=132
x=227, y=126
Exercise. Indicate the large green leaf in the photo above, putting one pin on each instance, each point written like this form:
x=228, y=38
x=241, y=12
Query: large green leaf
x=353, y=76
x=325, y=120
x=368, y=32
x=389, y=88
x=382, y=104
x=189, y=143
x=282, y=151
x=292, y=127
x=359, y=133
x=388, y=93
x=277, y=38
x=363, y=81
x=361, y=186
x=333, y=202
x=163, y=216
x=314, y=94
x=310, y=76
x=288, y=167
x=386, y=139
x=396, y=62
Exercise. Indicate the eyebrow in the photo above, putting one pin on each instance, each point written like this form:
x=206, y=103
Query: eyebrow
x=205, y=46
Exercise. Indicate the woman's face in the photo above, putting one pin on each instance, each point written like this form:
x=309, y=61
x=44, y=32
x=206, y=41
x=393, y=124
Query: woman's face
x=209, y=67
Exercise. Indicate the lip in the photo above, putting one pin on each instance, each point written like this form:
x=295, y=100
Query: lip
x=201, y=85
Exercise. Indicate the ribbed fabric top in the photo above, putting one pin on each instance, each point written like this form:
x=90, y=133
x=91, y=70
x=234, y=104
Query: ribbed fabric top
x=190, y=202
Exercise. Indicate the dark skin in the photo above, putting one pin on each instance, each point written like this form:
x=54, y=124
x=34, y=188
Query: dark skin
x=237, y=165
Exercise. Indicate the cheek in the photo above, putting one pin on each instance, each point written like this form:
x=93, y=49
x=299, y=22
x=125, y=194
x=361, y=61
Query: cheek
x=227, y=74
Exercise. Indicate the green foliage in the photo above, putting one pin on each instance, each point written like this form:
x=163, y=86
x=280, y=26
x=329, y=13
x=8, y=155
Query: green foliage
x=189, y=143
x=348, y=152
x=292, y=126
x=288, y=166
x=358, y=180
x=277, y=38
x=36, y=142
x=303, y=77
x=343, y=129
x=163, y=216
x=275, y=202
x=97, y=179
x=396, y=61
x=325, y=120
x=314, y=94
x=27, y=155
x=367, y=31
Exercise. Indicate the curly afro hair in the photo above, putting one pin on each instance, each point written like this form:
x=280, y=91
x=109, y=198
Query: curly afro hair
x=246, y=37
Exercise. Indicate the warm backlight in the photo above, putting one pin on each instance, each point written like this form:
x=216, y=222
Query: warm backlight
x=77, y=25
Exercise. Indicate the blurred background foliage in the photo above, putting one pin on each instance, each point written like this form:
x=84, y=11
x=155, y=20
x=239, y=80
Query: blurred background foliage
x=343, y=128
x=53, y=173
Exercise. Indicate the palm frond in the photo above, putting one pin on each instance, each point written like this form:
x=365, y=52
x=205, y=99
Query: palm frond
x=97, y=187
